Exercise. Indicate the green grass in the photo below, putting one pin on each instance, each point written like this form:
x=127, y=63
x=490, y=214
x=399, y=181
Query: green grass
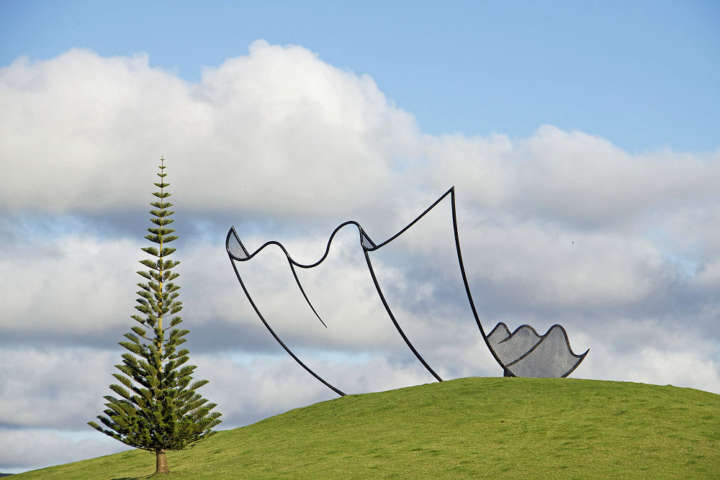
x=467, y=428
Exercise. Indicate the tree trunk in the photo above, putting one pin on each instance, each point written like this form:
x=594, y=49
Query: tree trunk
x=161, y=464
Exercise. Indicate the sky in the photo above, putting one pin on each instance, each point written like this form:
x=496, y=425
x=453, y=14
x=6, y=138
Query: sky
x=581, y=138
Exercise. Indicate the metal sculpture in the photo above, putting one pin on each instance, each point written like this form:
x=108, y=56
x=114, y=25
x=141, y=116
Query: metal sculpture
x=520, y=353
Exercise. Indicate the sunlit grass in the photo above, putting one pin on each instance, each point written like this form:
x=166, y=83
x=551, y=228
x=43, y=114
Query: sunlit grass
x=467, y=428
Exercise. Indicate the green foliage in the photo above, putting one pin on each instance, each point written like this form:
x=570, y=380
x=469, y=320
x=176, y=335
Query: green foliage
x=500, y=428
x=157, y=407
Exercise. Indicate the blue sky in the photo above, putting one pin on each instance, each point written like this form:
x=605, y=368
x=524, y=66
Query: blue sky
x=581, y=138
x=642, y=74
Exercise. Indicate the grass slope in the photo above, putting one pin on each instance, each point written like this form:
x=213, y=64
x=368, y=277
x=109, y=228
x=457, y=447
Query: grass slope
x=467, y=428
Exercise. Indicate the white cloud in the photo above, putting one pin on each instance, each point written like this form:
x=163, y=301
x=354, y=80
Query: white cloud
x=571, y=176
x=561, y=268
x=22, y=450
x=53, y=388
x=281, y=132
x=79, y=128
x=68, y=285
x=652, y=352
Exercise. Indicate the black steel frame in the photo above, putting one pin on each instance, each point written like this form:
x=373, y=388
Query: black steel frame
x=368, y=245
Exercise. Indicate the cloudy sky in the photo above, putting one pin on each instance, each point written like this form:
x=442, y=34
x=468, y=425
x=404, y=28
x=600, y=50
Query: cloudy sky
x=581, y=138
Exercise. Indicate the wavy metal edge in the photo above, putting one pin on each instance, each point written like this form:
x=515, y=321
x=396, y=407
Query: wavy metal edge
x=580, y=357
x=498, y=326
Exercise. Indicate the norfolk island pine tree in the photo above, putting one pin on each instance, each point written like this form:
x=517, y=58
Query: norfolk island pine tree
x=157, y=408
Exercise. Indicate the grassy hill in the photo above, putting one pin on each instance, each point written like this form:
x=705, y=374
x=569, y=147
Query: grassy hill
x=467, y=428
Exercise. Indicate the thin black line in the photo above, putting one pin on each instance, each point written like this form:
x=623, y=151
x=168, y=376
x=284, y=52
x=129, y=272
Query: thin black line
x=576, y=365
x=287, y=256
x=302, y=290
x=282, y=247
x=525, y=325
x=416, y=219
x=541, y=338
x=277, y=338
x=392, y=317
x=466, y=283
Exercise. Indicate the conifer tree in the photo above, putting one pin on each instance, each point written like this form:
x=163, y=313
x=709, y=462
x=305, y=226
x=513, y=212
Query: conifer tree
x=157, y=408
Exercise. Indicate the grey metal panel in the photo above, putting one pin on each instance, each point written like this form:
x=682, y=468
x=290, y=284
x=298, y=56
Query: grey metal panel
x=235, y=247
x=550, y=357
x=517, y=344
x=365, y=241
x=498, y=334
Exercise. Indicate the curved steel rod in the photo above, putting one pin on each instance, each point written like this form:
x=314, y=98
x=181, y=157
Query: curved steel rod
x=272, y=332
x=451, y=192
x=302, y=290
x=577, y=364
x=249, y=256
x=292, y=264
x=392, y=317
x=466, y=283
